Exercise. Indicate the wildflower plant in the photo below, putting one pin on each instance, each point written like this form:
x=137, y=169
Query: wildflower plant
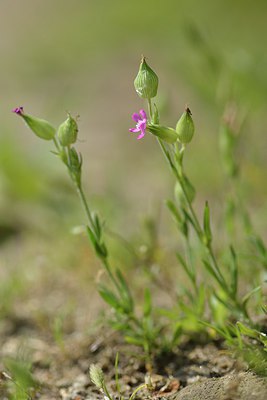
x=222, y=296
x=117, y=294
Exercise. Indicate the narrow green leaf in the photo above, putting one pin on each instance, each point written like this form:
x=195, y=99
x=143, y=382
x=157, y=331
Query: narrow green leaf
x=134, y=340
x=147, y=308
x=247, y=297
x=109, y=298
x=176, y=334
x=244, y=330
x=234, y=271
x=173, y=209
x=187, y=270
x=188, y=218
x=125, y=291
x=100, y=248
x=98, y=227
x=211, y=271
x=206, y=224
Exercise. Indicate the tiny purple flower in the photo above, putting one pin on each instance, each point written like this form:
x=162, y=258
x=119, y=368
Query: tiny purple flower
x=141, y=121
x=18, y=110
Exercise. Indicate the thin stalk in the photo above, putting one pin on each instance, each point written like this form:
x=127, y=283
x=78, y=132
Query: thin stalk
x=150, y=108
x=188, y=254
x=92, y=226
x=105, y=390
x=56, y=144
x=216, y=267
x=86, y=207
x=178, y=177
x=106, y=265
x=137, y=390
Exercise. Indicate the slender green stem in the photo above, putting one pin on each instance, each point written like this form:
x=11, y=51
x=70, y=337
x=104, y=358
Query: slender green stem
x=92, y=226
x=137, y=390
x=107, y=267
x=189, y=260
x=105, y=390
x=86, y=207
x=217, y=269
x=179, y=177
x=150, y=108
x=56, y=144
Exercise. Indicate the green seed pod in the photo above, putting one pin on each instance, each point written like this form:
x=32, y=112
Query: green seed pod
x=39, y=126
x=68, y=131
x=185, y=127
x=146, y=81
x=189, y=189
x=169, y=135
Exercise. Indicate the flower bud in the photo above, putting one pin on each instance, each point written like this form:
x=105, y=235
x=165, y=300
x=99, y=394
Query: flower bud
x=169, y=135
x=146, y=81
x=185, y=127
x=68, y=131
x=40, y=127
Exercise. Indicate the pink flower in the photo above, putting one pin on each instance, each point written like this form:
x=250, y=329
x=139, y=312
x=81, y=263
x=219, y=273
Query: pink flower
x=141, y=121
x=18, y=110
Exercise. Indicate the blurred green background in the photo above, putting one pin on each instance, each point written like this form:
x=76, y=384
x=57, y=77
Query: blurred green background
x=82, y=56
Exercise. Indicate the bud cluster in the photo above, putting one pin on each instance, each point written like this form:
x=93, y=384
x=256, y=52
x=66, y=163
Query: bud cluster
x=63, y=137
x=146, y=86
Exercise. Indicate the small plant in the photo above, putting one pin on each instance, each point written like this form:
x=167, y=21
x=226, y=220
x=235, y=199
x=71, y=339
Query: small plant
x=19, y=380
x=98, y=379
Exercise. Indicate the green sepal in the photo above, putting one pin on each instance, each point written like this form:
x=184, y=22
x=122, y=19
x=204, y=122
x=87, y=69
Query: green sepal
x=163, y=132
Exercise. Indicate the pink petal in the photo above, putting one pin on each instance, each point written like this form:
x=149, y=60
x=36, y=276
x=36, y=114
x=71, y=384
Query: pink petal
x=134, y=130
x=143, y=114
x=136, y=117
x=142, y=134
x=141, y=126
x=18, y=110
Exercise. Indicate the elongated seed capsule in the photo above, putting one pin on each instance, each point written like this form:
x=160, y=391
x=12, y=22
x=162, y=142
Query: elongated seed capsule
x=42, y=128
